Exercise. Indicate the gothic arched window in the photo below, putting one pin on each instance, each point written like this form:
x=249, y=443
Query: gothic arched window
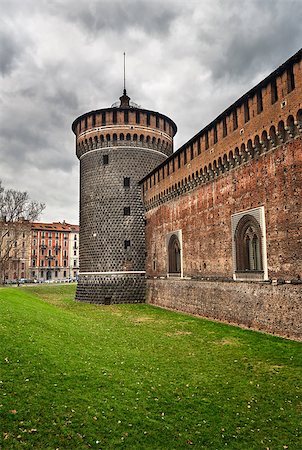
x=248, y=239
x=174, y=255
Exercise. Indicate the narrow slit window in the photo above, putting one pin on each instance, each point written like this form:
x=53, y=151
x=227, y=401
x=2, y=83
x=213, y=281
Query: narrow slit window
x=259, y=102
x=126, y=182
x=105, y=160
x=126, y=210
x=274, y=91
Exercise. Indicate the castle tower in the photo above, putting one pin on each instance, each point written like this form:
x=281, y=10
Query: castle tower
x=117, y=147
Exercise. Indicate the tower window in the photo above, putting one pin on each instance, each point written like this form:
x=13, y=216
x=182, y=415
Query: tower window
x=93, y=120
x=126, y=210
x=103, y=118
x=148, y=118
x=126, y=116
x=114, y=116
x=126, y=182
x=126, y=244
x=157, y=121
x=86, y=123
x=137, y=117
x=105, y=160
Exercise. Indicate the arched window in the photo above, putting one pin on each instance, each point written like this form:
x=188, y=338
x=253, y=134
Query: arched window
x=174, y=255
x=248, y=245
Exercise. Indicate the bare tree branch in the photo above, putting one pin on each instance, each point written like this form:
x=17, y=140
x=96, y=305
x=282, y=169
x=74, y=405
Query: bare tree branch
x=16, y=211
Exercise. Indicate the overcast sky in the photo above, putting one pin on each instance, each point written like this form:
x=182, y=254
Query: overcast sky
x=61, y=58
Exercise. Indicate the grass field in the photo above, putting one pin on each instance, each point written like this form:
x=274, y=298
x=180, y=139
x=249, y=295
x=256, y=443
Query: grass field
x=77, y=376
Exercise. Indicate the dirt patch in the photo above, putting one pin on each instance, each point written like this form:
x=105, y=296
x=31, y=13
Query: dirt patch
x=179, y=333
x=234, y=342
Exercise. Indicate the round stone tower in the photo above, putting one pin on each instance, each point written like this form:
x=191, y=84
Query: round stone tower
x=117, y=147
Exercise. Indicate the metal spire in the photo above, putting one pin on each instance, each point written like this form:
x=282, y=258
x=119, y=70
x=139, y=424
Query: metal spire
x=124, y=92
x=124, y=98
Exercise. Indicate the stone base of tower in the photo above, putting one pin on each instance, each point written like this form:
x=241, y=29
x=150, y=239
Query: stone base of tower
x=111, y=288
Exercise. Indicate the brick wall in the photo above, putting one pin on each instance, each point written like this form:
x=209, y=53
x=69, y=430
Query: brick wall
x=203, y=213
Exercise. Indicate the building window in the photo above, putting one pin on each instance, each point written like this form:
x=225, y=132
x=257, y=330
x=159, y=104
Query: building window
x=86, y=122
x=75, y=253
x=215, y=134
x=114, y=117
x=224, y=127
x=56, y=274
x=126, y=244
x=127, y=211
x=290, y=79
x=157, y=121
x=198, y=147
x=185, y=156
x=64, y=274
x=259, y=102
x=103, y=118
x=274, y=91
x=174, y=255
x=126, y=182
x=246, y=111
x=248, y=245
x=42, y=273
x=105, y=160
x=126, y=116
x=65, y=263
x=206, y=140
x=148, y=118
x=137, y=117
x=235, y=119
x=93, y=120
x=192, y=151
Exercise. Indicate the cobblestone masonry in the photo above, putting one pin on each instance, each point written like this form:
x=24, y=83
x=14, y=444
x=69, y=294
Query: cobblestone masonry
x=274, y=309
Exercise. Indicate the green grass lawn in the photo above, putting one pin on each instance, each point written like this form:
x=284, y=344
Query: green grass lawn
x=77, y=376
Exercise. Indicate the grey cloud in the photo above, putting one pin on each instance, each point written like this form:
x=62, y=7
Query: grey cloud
x=255, y=38
x=10, y=50
x=153, y=17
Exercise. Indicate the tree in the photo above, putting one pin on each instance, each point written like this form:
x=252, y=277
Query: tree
x=17, y=212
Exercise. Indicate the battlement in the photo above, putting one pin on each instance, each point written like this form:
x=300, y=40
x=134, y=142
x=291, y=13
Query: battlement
x=113, y=126
x=263, y=118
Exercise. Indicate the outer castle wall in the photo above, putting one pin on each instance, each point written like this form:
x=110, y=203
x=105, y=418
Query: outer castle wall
x=223, y=172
